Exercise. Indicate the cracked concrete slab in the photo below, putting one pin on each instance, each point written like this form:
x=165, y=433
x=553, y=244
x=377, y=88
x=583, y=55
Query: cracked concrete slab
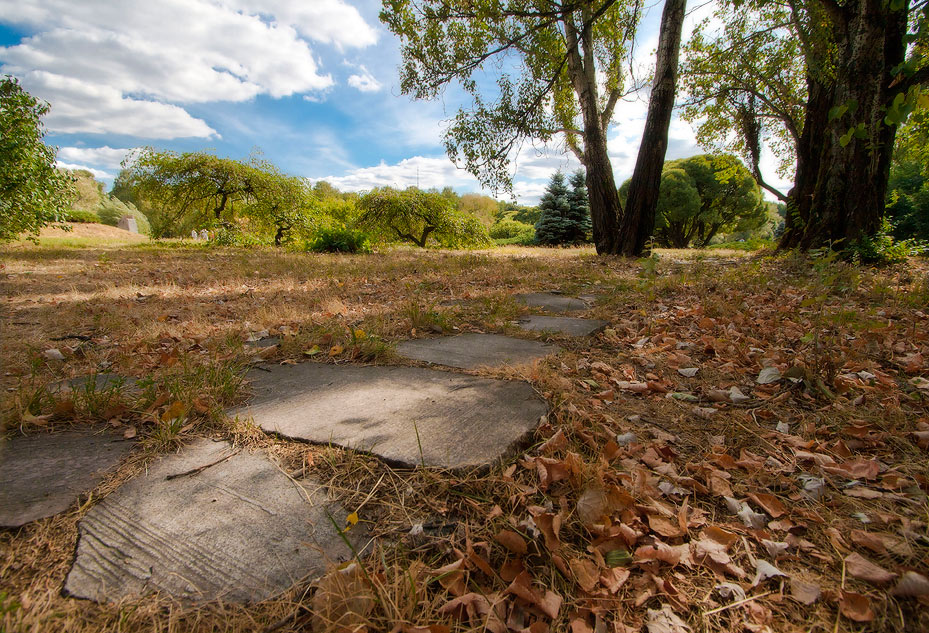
x=208, y=523
x=42, y=475
x=470, y=351
x=407, y=416
x=571, y=326
x=551, y=302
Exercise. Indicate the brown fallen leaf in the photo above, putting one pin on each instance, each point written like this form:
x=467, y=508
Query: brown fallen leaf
x=804, y=592
x=912, y=585
x=856, y=606
x=549, y=603
x=871, y=541
x=769, y=503
x=664, y=620
x=860, y=567
x=613, y=578
x=477, y=610
x=665, y=527
x=585, y=572
x=342, y=600
x=855, y=469
x=512, y=541
x=549, y=525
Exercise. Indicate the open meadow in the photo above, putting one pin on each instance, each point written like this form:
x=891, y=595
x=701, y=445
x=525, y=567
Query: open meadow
x=746, y=441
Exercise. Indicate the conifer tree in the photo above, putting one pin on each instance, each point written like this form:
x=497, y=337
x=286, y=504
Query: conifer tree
x=579, y=213
x=554, y=226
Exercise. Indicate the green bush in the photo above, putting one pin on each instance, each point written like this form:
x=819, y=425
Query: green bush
x=523, y=239
x=339, y=239
x=234, y=236
x=508, y=229
x=881, y=248
x=84, y=217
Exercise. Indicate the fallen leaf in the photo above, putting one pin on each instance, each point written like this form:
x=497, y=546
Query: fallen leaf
x=855, y=469
x=804, y=592
x=769, y=503
x=911, y=584
x=592, y=506
x=335, y=350
x=614, y=578
x=688, y=372
x=585, y=572
x=765, y=570
x=664, y=620
x=860, y=567
x=130, y=433
x=477, y=610
x=768, y=375
x=512, y=541
x=342, y=600
x=856, y=606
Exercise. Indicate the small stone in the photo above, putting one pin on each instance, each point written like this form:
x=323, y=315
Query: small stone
x=626, y=438
x=688, y=372
x=53, y=354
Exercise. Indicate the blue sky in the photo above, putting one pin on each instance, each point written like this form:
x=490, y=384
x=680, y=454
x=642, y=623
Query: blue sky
x=312, y=84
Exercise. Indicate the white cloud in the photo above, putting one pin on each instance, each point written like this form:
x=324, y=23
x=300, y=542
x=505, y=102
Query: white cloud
x=148, y=58
x=105, y=156
x=364, y=81
x=99, y=174
x=423, y=171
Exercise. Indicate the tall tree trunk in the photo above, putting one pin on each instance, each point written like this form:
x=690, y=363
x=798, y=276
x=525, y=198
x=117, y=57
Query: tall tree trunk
x=839, y=195
x=603, y=197
x=602, y=193
x=638, y=220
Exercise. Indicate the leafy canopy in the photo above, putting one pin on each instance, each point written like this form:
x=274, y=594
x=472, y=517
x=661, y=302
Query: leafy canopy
x=417, y=216
x=525, y=44
x=33, y=193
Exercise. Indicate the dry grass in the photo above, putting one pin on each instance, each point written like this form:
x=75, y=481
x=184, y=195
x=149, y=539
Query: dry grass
x=178, y=317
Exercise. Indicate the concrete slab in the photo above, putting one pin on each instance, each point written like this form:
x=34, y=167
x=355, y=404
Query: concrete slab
x=562, y=325
x=97, y=383
x=551, y=302
x=407, y=416
x=209, y=523
x=470, y=351
x=42, y=475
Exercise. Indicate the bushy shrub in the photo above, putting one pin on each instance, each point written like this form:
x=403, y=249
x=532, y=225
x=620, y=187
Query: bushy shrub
x=508, y=229
x=882, y=248
x=83, y=217
x=231, y=235
x=339, y=239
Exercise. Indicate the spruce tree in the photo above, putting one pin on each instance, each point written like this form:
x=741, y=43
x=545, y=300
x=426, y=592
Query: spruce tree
x=553, y=225
x=579, y=213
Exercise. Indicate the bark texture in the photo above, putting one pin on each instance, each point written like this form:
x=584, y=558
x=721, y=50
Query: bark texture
x=839, y=192
x=638, y=220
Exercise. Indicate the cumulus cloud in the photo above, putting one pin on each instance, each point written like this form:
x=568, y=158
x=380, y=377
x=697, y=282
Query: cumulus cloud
x=147, y=59
x=427, y=172
x=105, y=156
x=99, y=174
x=364, y=81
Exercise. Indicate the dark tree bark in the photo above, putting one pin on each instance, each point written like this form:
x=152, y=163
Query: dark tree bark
x=638, y=220
x=839, y=192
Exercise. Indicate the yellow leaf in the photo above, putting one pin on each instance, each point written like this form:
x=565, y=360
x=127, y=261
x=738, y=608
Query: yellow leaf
x=352, y=519
x=176, y=410
x=360, y=335
x=335, y=350
x=313, y=351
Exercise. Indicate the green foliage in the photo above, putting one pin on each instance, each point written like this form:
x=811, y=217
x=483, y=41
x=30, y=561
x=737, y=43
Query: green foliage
x=704, y=196
x=417, y=216
x=88, y=190
x=480, y=206
x=881, y=248
x=565, y=213
x=508, y=229
x=542, y=54
x=33, y=193
x=82, y=217
x=908, y=187
x=339, y=239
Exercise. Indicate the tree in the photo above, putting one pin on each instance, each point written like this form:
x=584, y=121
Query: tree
x=560, y=73
x=703, y=196
x=554, y=226
x=417, y=216
x=747, y=87
x=579, y=208
x=641, y=205
x=279, y=204
x=33, y=193
x=861, y=82
x=908, y=186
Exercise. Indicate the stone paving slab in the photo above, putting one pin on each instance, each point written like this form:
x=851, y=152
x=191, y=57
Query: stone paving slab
x=42, y=475
x=571, y=326
x=470, y=351
x=407, y=416
x=551, y=302
x=209, y=523
x=101, y=383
